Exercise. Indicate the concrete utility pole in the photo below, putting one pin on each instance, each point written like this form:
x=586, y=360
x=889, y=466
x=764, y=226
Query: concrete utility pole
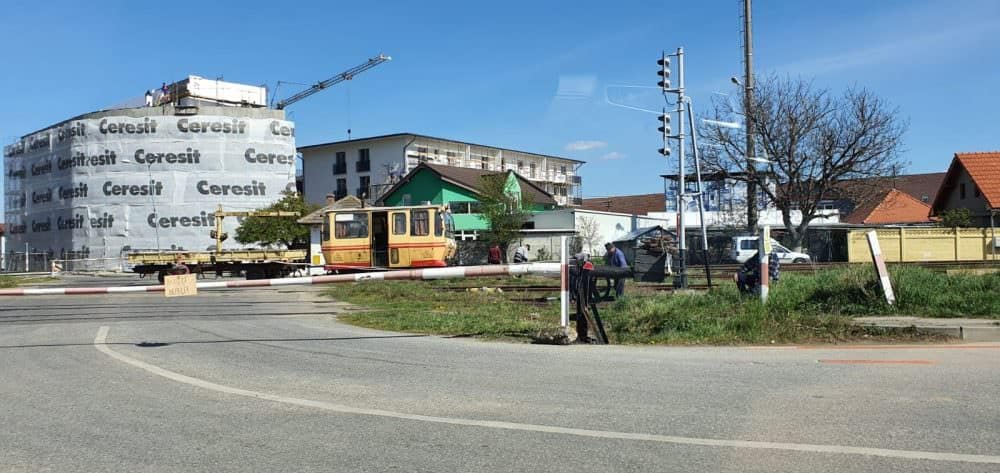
x=747, y=107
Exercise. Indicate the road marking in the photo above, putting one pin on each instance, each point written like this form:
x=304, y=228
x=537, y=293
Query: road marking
x=100, y=342
x=877, y=362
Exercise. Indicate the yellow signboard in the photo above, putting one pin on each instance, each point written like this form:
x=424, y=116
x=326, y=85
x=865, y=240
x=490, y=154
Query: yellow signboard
x=180, y=285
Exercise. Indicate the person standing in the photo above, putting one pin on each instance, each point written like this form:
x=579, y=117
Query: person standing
x=521, y=253
x=149, y=98
x=616, y=259
x=494, y=254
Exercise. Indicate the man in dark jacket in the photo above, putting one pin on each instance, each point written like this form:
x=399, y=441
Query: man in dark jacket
x=615, y=258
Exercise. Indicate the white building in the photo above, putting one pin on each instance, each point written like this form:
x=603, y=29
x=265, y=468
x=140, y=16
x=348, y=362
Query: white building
x=366, y=167
x=603, y=227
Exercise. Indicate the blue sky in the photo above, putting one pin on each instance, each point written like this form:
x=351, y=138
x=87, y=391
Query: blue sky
x=526, y=75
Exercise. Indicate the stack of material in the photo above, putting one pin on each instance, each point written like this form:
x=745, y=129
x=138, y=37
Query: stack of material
x=650, y=251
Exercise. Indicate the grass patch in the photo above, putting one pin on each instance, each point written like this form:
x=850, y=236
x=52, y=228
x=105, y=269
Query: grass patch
x=7, y=282
x=802, y=308
x=415, y=306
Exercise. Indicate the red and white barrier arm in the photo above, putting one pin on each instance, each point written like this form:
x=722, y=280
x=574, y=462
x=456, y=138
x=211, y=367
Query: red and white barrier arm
x=457, y=272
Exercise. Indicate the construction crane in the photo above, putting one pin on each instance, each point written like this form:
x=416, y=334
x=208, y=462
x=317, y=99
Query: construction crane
x=220, y=214
x=346, y=75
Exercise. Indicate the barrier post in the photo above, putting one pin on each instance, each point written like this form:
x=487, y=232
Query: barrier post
x=563, y=284
x=763, y=253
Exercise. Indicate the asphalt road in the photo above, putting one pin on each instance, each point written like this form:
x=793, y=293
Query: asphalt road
x=268, y=380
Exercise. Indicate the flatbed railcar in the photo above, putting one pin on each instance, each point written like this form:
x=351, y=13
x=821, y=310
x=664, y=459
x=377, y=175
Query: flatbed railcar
x=253, y=264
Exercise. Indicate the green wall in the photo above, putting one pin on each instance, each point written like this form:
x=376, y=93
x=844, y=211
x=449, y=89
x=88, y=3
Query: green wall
x=426, y=186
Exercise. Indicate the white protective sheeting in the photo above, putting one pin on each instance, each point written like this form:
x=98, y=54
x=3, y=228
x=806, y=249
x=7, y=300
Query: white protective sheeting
x=90, y=187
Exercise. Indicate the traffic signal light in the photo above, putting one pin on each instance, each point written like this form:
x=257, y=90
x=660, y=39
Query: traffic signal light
x=665, y=126
x=664, y=72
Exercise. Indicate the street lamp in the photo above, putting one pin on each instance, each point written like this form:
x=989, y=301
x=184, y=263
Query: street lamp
x=152, y=200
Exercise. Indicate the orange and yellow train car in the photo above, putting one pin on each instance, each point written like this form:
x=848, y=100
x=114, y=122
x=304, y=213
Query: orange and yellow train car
x=388, y=237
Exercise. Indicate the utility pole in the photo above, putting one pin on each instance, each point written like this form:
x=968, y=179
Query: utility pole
x=747, y=120
x=680, y=281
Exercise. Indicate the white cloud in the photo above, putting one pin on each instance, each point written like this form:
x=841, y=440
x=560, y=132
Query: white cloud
x=613, y=156
x=585, y=145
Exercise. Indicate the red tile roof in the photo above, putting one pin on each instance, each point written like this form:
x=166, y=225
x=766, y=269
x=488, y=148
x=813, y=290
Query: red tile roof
x=983, y=168
x=985, y=171
x=891, y=206
x=640, y=204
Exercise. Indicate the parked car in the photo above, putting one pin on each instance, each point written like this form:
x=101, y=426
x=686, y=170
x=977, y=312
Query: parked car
x=745, y=247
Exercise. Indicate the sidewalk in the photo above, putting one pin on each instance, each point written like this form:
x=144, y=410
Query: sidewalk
x=970, y=330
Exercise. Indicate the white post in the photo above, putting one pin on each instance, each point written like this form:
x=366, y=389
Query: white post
x=763, y=254
x=883, y=272
x=26, y=258
x=563, y=283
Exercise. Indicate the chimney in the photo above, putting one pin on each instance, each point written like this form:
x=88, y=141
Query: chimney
x=329, y=199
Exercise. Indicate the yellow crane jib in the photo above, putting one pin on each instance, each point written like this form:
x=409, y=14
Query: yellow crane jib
x=219, y=236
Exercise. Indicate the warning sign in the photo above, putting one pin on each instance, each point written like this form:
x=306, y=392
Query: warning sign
x=181, y=285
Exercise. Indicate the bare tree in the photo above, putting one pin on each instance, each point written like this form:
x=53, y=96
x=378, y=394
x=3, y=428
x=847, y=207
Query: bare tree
x=589, y=231
x=812, y=141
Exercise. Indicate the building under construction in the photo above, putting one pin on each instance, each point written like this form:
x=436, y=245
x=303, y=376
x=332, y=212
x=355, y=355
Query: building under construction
x=146, y=176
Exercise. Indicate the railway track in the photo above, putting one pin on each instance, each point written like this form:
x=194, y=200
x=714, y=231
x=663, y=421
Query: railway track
x=722, y=274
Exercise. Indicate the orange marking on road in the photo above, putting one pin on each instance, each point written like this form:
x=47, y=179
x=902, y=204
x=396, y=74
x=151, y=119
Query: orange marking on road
x=877, y=347
x=877, y=362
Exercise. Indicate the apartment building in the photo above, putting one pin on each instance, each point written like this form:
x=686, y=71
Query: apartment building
x=367, y=167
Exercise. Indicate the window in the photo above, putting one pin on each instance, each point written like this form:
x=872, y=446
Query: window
x=399, y=223
x=364, y=183
x=325, y=232
x=520, y=166
x=438, y=224
x=748, y=244
x=340, y=165
x=364, y=161
x=961, y=191
x=341, y=188
x=562, y=169
x=475, y=207
x=459, y=207
x=451, y=157
x=419, y=220
x=351, y=225
x=484, y=162
x=531, y=170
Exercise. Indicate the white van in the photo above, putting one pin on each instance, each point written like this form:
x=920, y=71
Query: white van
x=745, y=247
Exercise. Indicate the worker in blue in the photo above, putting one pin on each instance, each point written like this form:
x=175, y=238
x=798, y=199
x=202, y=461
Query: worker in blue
x=615, y=258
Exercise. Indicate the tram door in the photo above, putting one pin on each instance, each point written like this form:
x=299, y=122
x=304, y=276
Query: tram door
x=380, y=239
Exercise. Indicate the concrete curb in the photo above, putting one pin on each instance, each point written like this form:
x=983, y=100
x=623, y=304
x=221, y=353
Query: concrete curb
x=969, y=330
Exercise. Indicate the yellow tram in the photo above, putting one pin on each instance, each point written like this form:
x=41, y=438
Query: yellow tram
x=417, y=236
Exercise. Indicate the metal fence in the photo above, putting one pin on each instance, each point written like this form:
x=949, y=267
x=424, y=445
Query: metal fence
x=87, y=265
x=21, y=262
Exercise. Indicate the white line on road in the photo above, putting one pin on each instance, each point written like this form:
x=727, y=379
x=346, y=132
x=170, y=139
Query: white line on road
x=102, y=336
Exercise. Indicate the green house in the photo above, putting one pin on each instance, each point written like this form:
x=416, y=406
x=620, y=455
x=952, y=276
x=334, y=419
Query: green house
x=460, y=189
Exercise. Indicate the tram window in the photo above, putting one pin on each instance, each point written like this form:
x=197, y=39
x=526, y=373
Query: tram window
x=419, y=223
x=438, y=224
x=325, y=232
x=352, y=225
x=398, y=223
